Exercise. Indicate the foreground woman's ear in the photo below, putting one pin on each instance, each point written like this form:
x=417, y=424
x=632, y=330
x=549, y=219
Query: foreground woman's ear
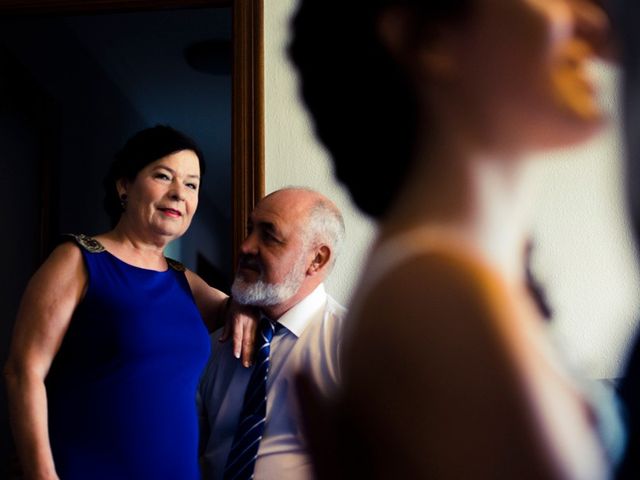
x=400, y=33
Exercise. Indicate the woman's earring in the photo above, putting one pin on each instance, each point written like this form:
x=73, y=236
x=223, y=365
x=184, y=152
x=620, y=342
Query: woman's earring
x=123, y=201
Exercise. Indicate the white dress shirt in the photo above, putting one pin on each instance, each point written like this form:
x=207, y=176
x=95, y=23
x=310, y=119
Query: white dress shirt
x=308, y=340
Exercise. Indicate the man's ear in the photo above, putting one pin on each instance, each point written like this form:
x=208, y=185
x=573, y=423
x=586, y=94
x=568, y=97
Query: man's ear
x=321, y=259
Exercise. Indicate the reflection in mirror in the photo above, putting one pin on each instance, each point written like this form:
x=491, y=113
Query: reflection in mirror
x=72, y=90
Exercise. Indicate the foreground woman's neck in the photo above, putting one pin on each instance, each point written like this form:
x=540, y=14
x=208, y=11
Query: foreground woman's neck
x=482, y=201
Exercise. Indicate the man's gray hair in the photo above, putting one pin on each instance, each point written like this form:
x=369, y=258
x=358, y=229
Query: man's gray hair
x=325, y=225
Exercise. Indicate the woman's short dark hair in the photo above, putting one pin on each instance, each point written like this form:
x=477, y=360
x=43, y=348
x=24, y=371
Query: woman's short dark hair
x=140, y=150
x=362, y=102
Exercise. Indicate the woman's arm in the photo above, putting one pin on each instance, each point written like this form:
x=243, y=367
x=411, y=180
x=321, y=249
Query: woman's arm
x=217, y=309
x=43, y=319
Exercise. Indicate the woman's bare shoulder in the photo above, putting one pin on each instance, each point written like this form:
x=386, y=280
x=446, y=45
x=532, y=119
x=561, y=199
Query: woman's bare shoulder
x=428, y=288
x=436, y=347
x=65, y=257
x=439, y=316
x=62, y=273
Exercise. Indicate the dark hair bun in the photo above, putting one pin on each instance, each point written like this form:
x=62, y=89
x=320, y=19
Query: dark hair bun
x=364, y=107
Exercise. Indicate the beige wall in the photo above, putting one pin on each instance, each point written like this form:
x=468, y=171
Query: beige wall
x=586, y=258
x=583, y=253
x=293, y=157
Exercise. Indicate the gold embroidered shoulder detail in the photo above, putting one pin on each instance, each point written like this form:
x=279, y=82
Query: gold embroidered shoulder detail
x=176, y=265
x=90, y=244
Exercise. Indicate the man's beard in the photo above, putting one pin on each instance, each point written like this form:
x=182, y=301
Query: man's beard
x=263, y=294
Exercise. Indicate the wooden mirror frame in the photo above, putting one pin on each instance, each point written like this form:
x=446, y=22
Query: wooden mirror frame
x=247, y=106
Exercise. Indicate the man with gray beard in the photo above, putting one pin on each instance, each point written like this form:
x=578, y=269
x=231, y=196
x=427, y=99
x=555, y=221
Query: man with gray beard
x=294, y=237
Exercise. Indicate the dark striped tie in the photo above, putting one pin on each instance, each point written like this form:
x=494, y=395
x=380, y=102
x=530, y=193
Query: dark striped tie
x=244, y=449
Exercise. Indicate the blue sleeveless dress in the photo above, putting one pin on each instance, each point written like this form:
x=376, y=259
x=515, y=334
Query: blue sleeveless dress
x=121, y=390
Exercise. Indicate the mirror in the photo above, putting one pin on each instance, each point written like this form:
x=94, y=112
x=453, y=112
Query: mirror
x=79, y=77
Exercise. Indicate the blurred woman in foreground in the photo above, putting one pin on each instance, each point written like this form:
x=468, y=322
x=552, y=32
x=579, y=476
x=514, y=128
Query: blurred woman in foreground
x=429, y=109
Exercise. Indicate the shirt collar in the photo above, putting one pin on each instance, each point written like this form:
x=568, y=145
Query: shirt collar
x=298, y=317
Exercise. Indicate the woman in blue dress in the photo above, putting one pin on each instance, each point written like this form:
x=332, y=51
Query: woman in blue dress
x=111, y=335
